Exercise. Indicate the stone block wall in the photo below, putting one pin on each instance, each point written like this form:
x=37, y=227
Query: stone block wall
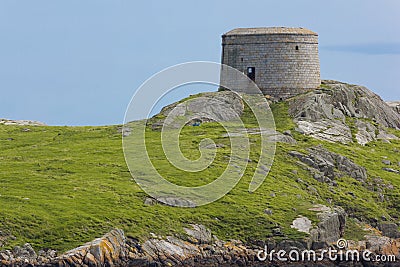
x=285, y=64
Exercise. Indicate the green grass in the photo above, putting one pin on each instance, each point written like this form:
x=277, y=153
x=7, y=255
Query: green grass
x=63, y=186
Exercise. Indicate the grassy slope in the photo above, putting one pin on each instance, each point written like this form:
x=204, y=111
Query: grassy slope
x=79, y=187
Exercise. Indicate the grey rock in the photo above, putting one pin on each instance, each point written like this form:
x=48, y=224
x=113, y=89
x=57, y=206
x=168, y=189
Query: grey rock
x=282, y=138
x=108, y=250
x=25, y=252
x=331, y=131
x=172, y=250
x=326, y=165
x=391, y=170
x=312, y=190
x=366, y=132
x=277, y=232
x=288, y=133
x=331, y=226
x=395, y=105
x=215, y=106
x=48, y=253
x=302, y=224
x=381, y=197
x=386, y=162
x=200, y=233
x=113, y=249
x=176, y=202
x=383, y=135
x=21, y=122
x=126, y=131
x=268, y=212
x=322, y=113
x=6, y=255
x=150, y=201
x=389, y=229
x=382, y=245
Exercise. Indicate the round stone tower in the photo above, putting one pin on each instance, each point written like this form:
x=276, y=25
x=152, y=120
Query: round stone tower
x=282, y=61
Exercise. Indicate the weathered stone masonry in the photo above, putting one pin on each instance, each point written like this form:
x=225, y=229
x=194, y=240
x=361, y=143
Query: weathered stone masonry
x=284, y=61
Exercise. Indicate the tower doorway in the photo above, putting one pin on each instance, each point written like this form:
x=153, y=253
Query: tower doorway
x=251, y=73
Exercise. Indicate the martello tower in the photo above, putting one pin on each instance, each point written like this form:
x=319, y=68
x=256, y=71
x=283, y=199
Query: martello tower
x=282, y=61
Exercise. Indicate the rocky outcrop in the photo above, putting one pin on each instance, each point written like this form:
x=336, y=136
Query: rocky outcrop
x=21, y=122
x=395, y=105
x=113, y=249
x=330, y=228
x=109, y=250
x=323, y=114
x=326, y=166
x=200, y=249
x=26, y=256
x=199, y=234
x=215, y=106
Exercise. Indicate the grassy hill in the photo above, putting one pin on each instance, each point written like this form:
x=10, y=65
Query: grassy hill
x=62, y=186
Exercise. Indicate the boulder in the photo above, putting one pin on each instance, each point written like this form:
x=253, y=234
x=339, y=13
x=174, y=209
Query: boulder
x=391, y=170
x=326, y=165
x=176, y=202
x=330, y=229
x=199, y=233
x=302, y=224
x=150, y=201
x=169, y=252
x=108, y=250
x=366, y=132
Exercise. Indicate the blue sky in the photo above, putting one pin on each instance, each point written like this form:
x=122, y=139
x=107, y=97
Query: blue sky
x=79, y=62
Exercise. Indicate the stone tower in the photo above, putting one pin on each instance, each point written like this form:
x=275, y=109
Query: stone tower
x=282, y=61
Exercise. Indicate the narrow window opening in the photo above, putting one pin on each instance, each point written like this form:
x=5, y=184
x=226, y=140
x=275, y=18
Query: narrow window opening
x=251, y=73
x=297, y=47
x=241, y=59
